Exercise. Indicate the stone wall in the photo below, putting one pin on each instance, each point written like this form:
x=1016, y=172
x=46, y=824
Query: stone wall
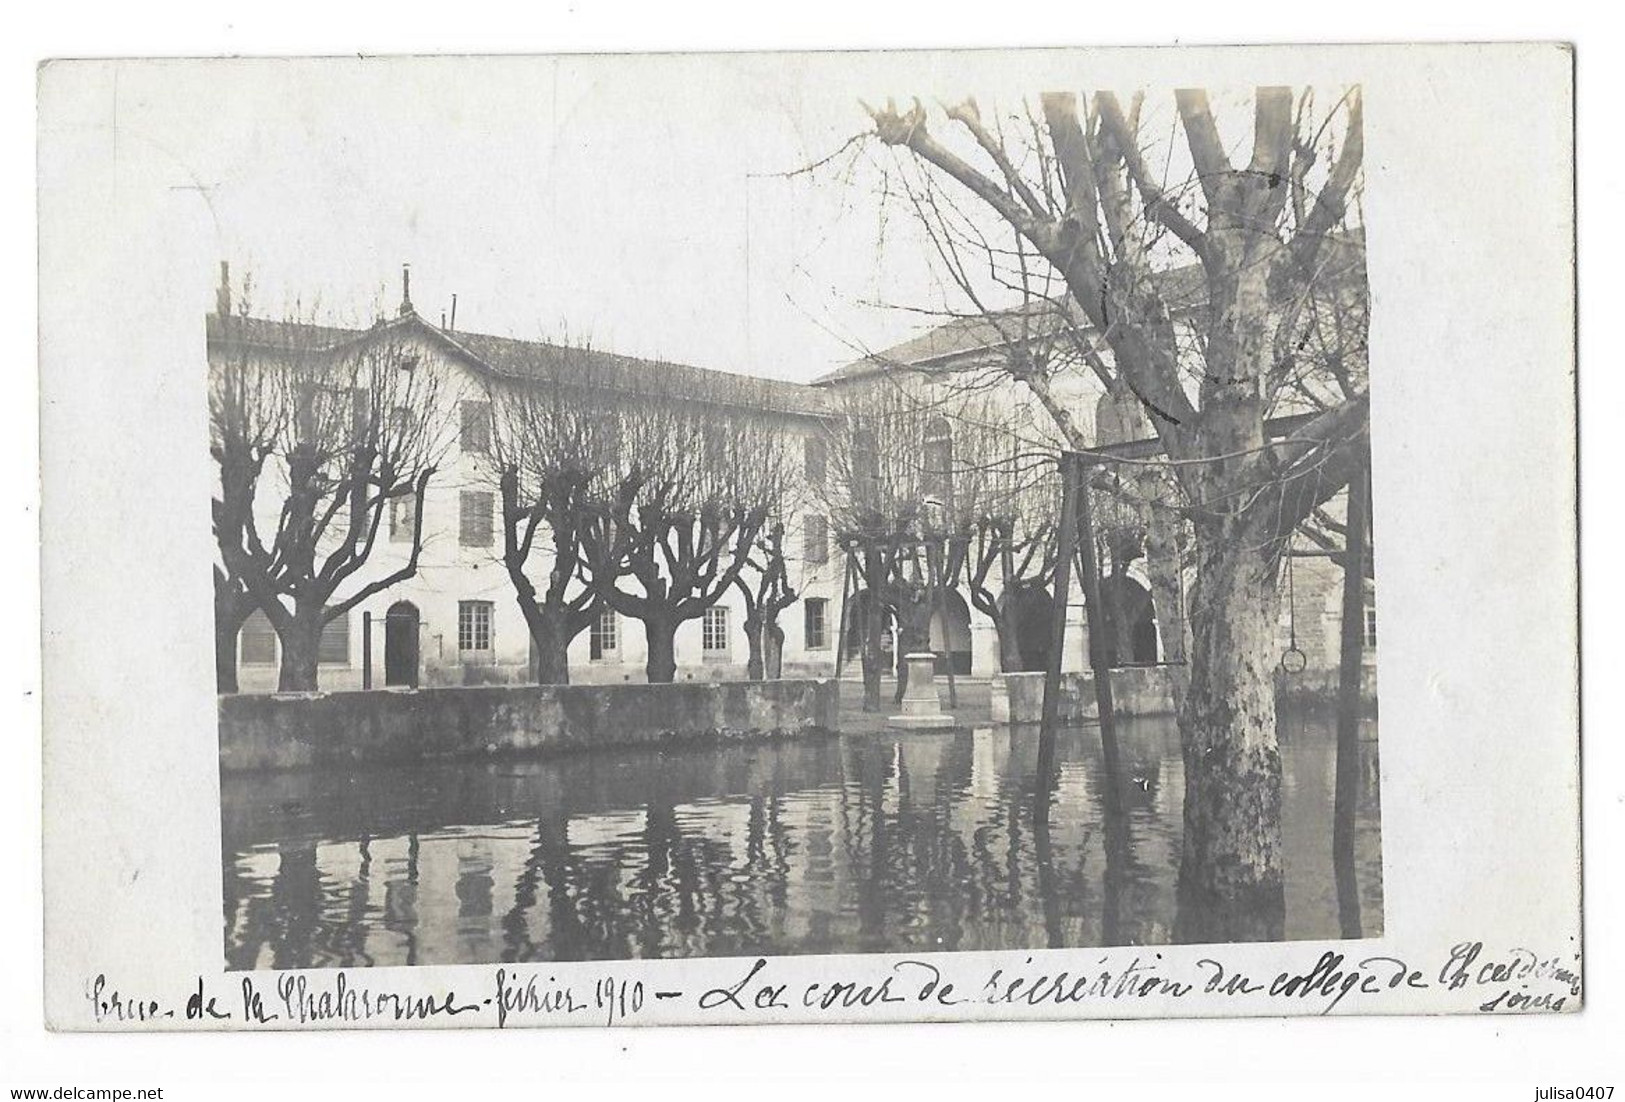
x=1147, y=691
x=335, y=729
x=1136, y=691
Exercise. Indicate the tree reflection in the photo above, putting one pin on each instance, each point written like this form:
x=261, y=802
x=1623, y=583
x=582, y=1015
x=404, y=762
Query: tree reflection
x=913, y=843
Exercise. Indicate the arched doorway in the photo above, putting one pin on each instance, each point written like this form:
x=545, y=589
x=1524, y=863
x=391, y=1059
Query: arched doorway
x=1131, y=622
x=401, y=644
x=950, y=641
x=1027, y=613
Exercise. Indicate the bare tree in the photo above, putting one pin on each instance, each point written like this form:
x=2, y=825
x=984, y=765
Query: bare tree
x=921, y=466
x=693, y=485
x=1081, y=188
x=318, y=438
x=1009, y=562
x=766, y=591
x=245, y=421
x=554, y=445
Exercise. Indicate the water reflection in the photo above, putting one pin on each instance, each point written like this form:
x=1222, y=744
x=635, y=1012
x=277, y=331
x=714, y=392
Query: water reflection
x=860, y=844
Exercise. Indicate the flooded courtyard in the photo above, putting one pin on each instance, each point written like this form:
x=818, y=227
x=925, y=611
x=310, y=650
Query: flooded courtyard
x=848, y=844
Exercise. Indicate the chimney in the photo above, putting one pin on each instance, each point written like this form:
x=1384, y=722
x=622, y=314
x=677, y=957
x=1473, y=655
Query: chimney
x=406, y=289
x=453, y=313
x=222, y=293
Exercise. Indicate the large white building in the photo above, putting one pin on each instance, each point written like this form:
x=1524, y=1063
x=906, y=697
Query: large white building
x=456, y=620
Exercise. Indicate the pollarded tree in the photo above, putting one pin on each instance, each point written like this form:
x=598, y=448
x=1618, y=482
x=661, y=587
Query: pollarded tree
x=692, y=487
x=919, y=467
x=555, y=443
x=349, y=428
x=1081, y=187
x=245, y=423
x=766, y=591
x=1009, y=564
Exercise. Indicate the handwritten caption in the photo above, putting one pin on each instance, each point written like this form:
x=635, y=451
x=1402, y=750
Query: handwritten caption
x=1517, y=980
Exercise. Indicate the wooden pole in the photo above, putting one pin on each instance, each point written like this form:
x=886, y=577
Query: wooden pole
x=846, y=600
x=366, y=650
x=1065, y=533
x=1346, y=786
x=1095, y=611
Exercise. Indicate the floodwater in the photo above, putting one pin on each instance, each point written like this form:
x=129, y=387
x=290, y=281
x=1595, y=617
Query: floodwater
x=841, y=845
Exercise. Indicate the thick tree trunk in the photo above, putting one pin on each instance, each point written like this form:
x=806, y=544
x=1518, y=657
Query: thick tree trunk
x=225, y=656
x=661, y=667
x=1007, y=630
x=551, y=636
x=772, y=650
x=1230, y=886
x=231, y=610
x=300, y=655
x=754, y=667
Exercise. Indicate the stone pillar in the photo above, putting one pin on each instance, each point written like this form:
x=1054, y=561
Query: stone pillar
x=984, y=646
x=1074, y=656
x=999, y=694
x=922, y=705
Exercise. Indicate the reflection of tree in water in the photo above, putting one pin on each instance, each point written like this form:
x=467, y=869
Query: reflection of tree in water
x=916, y=843
x=401, y=901
x=296, y=907
x=349, y=938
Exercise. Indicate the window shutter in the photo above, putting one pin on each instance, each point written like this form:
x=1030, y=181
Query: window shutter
x=474, y=518
x=334, y=647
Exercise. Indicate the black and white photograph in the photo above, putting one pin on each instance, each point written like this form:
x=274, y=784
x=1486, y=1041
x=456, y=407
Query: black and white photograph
x=993, y=570
x=891, y=536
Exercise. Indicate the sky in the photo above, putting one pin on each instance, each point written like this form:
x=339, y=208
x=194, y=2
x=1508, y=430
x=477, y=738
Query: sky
x=645, y=205
x=643, y=208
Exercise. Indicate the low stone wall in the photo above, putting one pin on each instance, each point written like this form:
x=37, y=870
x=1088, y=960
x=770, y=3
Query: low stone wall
x=1318, y=687
x=1148, y=691
x=304, y=731
x=1136, y=691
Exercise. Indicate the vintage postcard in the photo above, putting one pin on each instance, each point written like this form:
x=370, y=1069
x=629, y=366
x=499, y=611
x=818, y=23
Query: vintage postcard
x=808, y=537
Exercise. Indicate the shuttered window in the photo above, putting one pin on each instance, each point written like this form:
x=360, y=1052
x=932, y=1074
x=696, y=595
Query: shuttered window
x=334, y=647
x=257, y=641
x=474, y=518
x=476, y=427
x=815, y=539
x=817, y=461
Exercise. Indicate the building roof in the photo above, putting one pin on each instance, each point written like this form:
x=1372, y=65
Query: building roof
x=1182, y=288
x=539, y=361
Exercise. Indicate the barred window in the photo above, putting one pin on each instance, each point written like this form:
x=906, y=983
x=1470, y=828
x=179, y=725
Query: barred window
x=1370, y=635
x=816, y=616
x=603, y=638
x=476, y=427
x=334, y=647
x=473, y=625
x=474, y=518
x=714, y=630
x=403, y=516
x=815, y=539
x=257, y=641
